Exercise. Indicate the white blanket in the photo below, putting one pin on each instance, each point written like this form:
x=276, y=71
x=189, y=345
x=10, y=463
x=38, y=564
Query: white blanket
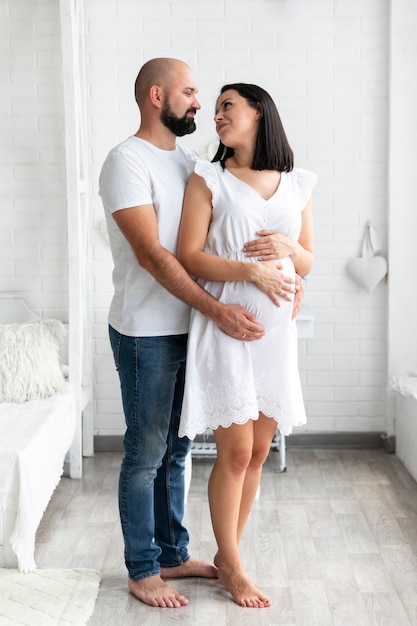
x=48, y=597
x=405, y=385
x=34, y=439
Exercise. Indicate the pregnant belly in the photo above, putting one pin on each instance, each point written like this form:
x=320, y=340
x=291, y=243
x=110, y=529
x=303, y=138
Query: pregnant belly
x=249, y=296
x=257, y=302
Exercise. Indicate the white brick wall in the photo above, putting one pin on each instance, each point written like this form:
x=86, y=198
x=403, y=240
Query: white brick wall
x=324, y=62
x=32, y=196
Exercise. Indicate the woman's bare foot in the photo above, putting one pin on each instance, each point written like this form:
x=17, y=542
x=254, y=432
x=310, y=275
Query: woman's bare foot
x=193, y=567
x=155, y=592
x=216, y=559
x=244, y=592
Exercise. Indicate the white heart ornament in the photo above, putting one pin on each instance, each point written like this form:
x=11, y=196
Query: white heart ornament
x=367, y=272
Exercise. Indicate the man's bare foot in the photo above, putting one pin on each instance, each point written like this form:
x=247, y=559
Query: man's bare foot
x=244, y=592
x=155, y=592
x=193, y=567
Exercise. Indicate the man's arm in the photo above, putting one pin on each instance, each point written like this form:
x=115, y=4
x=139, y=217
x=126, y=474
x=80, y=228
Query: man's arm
x=139, y=226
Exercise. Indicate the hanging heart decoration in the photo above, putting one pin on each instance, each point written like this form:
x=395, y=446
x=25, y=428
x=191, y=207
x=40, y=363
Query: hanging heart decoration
x=368, y=270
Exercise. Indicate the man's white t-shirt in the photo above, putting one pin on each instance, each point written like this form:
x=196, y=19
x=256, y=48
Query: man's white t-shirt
x=136, y=173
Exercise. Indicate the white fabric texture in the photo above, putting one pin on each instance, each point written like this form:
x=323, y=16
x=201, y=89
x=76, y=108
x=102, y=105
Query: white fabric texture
x=50, y=597
x=35, y=437
x=136, y=173
x=404, y=385
x=30, y=360
x=227, y=380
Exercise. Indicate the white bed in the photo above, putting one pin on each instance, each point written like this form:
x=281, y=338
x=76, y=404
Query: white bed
x=35, y=436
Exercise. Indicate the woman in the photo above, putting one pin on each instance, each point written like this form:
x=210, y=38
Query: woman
x=244, y=390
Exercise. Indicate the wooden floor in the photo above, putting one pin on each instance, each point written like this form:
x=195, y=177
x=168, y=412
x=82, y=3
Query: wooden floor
x=333, y=541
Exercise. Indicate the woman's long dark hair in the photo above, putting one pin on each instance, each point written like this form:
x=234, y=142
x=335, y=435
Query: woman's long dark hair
x=272, y=150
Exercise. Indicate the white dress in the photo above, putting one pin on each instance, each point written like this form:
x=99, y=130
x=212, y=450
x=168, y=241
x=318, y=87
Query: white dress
x=229, y=380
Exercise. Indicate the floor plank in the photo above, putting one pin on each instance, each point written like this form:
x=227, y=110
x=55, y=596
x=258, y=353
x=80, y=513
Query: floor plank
x=333, y=541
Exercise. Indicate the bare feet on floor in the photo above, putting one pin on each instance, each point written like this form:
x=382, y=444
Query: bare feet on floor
x=243, y=590
x=193, y=567
x=155, y=592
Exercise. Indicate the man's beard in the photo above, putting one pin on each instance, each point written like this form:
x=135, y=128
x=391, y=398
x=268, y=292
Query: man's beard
x=180, y=126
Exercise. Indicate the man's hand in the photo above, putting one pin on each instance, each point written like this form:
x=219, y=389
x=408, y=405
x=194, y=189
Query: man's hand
x=238, y=322
x=298, y=297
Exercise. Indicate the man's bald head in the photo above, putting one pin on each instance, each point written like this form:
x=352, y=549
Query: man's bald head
x=159, y=72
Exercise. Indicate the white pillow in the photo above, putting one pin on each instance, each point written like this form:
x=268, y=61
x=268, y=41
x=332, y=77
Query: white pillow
x=30, y=360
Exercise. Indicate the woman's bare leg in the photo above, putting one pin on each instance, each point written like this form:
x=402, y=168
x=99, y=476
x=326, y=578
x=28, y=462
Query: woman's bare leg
x=234, y=452
x=263, y=432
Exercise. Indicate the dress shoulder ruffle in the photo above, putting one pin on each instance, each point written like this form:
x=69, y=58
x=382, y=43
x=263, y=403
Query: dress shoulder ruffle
x=209, y=171
x=305, y=181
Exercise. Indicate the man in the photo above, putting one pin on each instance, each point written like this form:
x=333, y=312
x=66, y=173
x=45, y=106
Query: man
x=142, y=184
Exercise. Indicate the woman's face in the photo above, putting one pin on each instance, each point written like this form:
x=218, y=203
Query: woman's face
x=236, y=120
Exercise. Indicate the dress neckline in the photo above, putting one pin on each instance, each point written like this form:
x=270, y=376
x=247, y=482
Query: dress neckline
x=253, y=189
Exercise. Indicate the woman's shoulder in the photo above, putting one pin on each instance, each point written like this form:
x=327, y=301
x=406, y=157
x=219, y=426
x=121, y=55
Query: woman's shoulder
x=302, y=177
x=210, y=173
x=302, y=183
x=203, y=167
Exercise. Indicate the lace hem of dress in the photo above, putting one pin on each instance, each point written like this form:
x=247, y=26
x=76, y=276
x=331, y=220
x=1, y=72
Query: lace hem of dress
x=224, y=405
x=199, y=428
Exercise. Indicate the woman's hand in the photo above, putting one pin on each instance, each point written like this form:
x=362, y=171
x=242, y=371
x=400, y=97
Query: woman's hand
x=270, y=245
x=269, y=278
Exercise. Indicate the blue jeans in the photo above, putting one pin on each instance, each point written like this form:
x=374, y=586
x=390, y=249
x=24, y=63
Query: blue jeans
x=151, y=484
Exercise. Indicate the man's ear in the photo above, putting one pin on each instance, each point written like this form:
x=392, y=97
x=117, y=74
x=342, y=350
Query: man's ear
x=156, y=96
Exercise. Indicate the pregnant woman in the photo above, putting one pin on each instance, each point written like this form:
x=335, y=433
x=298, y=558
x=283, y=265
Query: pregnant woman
x=244, y=389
